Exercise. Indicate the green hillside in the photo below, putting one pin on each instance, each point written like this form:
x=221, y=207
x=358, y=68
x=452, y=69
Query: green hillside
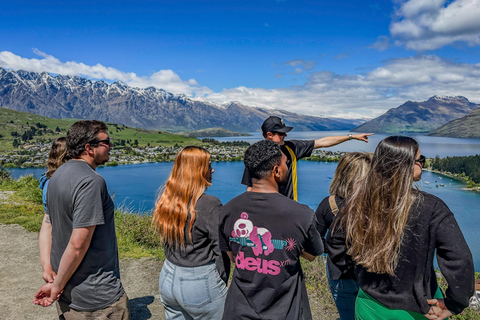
x=464, y=127
x=19, y=128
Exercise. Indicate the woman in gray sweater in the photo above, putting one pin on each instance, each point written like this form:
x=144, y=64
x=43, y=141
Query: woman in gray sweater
x=193, y=277
x=393, y=231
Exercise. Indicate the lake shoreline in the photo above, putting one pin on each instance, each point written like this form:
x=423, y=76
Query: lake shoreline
x=457, y=177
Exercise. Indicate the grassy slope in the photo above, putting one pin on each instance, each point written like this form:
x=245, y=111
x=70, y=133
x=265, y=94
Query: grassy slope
x=135, y=235
x=11, y=120
x=464, y=127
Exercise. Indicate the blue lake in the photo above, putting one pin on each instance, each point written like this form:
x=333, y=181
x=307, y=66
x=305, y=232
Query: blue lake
x=430, y=146
x=135, y=187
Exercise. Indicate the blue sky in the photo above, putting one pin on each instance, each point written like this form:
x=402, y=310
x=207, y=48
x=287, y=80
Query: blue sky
x=331, y=58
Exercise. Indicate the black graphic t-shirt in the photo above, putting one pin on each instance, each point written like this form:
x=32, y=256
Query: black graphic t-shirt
x=267, y=233
x=301, y=149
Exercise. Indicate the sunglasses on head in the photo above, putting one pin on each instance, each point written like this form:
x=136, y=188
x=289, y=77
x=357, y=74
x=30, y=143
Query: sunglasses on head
x=421, y=160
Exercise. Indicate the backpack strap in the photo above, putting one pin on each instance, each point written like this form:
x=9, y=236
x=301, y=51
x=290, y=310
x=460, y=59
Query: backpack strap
x=333, y=204
x=294, y=172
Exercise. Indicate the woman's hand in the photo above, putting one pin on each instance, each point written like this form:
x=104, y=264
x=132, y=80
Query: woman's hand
x=438, y=310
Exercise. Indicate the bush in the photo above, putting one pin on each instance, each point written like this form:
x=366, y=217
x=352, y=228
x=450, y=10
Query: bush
x=136, y=235
x=5, y=174
x=26, y=187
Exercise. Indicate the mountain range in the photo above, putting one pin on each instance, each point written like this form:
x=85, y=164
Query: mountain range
x=424, y=116
x=151, y=108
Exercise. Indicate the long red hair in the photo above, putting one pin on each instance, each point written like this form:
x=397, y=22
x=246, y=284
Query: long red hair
x=186, y=184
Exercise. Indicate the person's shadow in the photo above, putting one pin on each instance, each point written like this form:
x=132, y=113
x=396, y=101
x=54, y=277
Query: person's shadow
x=139, y=308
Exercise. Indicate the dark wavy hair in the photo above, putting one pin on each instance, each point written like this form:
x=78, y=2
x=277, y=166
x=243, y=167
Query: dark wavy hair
x=81, y=133
x=261, y=157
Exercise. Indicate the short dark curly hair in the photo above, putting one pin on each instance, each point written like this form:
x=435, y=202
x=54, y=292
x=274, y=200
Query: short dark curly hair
x=81, y=133
x=261, y=157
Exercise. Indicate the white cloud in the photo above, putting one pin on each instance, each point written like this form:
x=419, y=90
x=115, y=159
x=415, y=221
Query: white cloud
x=366, y=95
x=298, y=71
x=324, y=93
x=165, y=79
x=432, y=24
x=294, y=63
x=307, y=64
x=381, y=44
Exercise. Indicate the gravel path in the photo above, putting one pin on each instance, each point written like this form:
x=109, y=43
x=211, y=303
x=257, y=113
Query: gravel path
x=21, y=276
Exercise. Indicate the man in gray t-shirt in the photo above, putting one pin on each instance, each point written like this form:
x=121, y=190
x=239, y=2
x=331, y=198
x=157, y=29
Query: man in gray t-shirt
x=84, y=253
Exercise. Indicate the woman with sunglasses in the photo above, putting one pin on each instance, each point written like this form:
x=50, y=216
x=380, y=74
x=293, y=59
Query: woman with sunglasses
x=193, y=277
x=392, y=231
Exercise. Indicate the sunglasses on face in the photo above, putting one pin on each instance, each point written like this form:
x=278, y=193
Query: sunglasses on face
x=421, y=160
x=281, y=134
x=96, y=142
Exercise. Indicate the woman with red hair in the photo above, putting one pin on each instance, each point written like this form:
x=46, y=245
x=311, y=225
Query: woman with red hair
x=193, y=277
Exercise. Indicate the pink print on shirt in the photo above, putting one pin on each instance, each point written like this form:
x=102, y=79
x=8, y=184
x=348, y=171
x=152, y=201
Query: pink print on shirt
x=261, y=242
x=244, y=228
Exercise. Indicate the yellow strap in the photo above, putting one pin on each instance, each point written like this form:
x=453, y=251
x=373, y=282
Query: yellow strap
x=333, y=204
x=294, y=172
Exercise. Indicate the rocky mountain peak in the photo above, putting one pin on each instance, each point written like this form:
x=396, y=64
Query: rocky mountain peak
x=66, y=96
x=448, y=99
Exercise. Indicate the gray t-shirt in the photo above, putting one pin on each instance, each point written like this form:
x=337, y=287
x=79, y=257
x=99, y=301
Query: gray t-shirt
x=77, y=197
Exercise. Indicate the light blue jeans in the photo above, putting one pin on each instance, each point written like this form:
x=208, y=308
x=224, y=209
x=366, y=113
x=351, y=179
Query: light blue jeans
x=344, y=292
x=192, y=292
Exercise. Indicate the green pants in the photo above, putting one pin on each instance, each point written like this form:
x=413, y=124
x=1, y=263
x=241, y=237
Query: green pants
x=367, y=308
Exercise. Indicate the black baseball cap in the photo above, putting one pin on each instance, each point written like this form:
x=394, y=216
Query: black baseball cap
x=275, y=124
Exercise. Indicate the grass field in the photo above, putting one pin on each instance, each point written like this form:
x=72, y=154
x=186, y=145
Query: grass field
x=15, y=124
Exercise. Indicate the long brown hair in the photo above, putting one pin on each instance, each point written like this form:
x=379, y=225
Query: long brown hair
x=375, y=216
x=184, y=187
x=57, y=155
x=351, y=168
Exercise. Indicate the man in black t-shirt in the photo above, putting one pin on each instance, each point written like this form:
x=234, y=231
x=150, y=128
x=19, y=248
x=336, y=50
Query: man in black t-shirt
x=265, y=234
x=274, y=129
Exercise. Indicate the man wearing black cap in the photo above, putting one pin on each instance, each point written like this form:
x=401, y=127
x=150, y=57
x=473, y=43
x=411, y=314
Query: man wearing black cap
x=274, y=129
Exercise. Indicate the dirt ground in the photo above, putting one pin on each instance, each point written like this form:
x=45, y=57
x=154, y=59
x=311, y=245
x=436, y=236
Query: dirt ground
x=21, y=276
